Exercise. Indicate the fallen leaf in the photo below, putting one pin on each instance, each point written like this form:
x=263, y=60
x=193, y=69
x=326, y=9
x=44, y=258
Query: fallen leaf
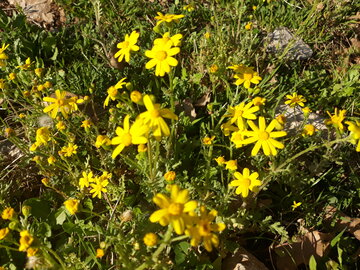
x=205, y=99
x=242, y=260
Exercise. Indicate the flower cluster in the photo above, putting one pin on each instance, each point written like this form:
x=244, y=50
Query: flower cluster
x=245, y=75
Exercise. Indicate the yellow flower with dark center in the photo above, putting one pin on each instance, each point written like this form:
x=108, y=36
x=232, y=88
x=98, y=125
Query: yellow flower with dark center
x=39, y=71
x=162, y=58
x=174, y=210
x=295, y=205
x=8, y=213
x=263, y=137
x=308, y=130
x=26, y=240
x=100, y=253
x=86, y=180
x=100, y=183
x=220, y=160
x=204, y=229
x=153, y=117
x=175, y=39
x=208, y=140
x=150, y=239
x=248, y=26
x=128, y=45
x=3, y=233
x=245, y=182
x=294, y=100
x=231, y=165
x=245, y=75
x=336, y=119
x=167, y=18
x=241, y=112
x=60, y=103
x=102, y=140
x=113, y=91
x=354, y=129
x=170, y=176
x=136, y=134
x=214, y=68
x=69, y=150
x=259, y=101
x=47, y=84
x=72, y=205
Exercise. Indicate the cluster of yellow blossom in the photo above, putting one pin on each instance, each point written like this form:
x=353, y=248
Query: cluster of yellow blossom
x=245, y=75
x=3, y=55
x=179, y=211
x=97, y=184
x=61, y=103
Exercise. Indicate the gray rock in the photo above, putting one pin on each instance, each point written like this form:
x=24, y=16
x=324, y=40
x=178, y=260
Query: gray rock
x=282, y=39
x=45, y=121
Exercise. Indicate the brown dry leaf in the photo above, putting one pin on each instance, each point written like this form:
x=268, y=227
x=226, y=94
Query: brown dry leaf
x=43, y=12
x=290, y=256
x=242, y=260
x=187, y=107
x=205, y=99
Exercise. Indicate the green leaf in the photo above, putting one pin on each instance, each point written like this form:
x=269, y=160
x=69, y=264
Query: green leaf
x=39, y=208
x=312, y=263
x=88, y=204
x=340, y=251
x=337, y=238
x=60, y=216
x=44, y=229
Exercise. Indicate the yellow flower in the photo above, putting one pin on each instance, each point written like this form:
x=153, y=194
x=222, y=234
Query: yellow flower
x=241, y=112
x=167, y=18
x=204, y=228
x=245, y=182
x=308, y=130
x=100, y=253
x=113, y=91
x=7, y=213
x=60, y=103
x=51, y=160
x=45, y=181
x=220, y=160
x=214, y=68
x=231, y=165
x=245, y=75
x=150, y=239
x=227, y=128
x=100, y=183
x=263, y=136
x=31, y=252
x=42, y=136
x=189, y=7
x=176, y=39
x=336, y=119
x=153, y=117
x=174, y=210
x=12, y=76
x=3, y=233
x=40, y=87
x=37, y=159
x=27, y=64
x=3, y=55
x=294, y=100
x=72, y=205
x=60, y=125
x=142, y=148
x=136, y=97
x=8, y=132
x=162, y=58
x=306, y=111
x=102, y=140
x=47, y=84
x=38, y=71
x=259, y=101
x=129, y=135
x=170, y=176
x=295, y=205
x=208, y=140
x=281, y=120
x=248, y=26
x=86, y=179
x=128, y=45
x=254, y=7
x=237, y=138
x=2, y=84
x=26, y=240
x=22, y=115
x=207, y=35
x=69, y=150
x=354, y=129
x=86, y=124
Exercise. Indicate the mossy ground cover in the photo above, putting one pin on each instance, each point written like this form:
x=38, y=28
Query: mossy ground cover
x=166, y=135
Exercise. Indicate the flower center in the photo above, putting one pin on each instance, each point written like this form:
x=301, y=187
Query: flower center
x=155, y=113
x=126, y=44
x=126, y=139
x=112, y=91
x=176, y=209
x=204, y=229
x=263, y=135
x=248, y=76
x=246, y=182
x=161, y=55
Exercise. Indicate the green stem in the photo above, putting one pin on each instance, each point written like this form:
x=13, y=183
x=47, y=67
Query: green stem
x=63, y=266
